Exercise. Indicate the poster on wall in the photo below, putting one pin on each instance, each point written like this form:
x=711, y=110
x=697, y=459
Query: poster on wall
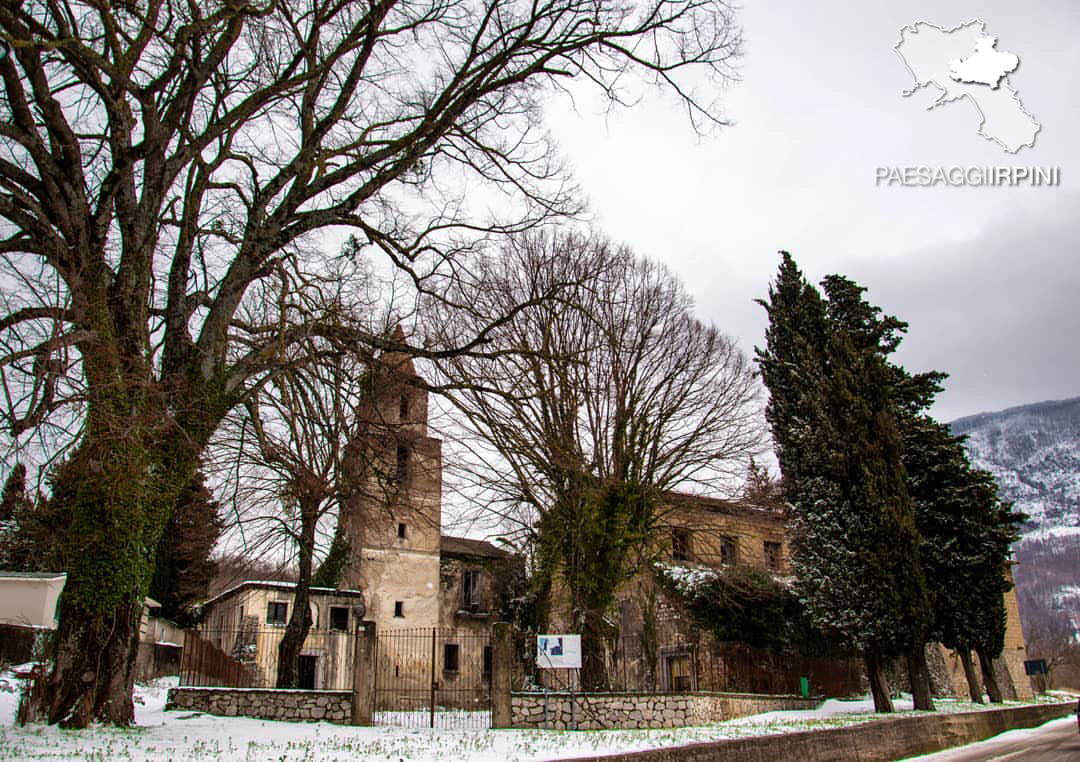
x=558, y=651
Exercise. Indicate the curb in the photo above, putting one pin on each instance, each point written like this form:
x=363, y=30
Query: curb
x=874, y=741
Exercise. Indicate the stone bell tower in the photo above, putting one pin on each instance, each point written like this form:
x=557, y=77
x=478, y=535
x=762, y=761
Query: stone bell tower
x=392, y=511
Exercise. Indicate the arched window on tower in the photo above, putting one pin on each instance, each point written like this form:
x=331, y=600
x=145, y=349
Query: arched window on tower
x=402, y=462
x=403, y=408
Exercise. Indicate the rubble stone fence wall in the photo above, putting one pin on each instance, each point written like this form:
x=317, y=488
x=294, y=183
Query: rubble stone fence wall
x=265, y=704
x=596, y=711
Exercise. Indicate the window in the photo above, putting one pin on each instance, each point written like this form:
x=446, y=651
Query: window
x=401, y=531
x=403, y=409
x=399, y=609
x=681, y=549
x=728, y=553
x=470, y=590
x=772, y=556
x=450, y=654
x=277, y=613
x=402, y=462
x=679, y=677
x=339, y=618
x=487, y=660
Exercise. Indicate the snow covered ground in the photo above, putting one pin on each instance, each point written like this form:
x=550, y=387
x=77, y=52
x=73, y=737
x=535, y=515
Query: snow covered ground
x=191, y=736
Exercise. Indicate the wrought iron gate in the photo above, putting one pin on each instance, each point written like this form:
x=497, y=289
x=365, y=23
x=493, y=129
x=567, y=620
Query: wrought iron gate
x=433, y=677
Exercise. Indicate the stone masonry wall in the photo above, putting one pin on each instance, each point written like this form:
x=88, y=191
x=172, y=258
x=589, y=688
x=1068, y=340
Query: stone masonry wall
x=271, y=704
x=584, y=711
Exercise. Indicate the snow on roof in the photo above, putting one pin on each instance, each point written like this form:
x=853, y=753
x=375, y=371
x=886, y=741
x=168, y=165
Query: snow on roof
x=464, y=546
x=32, y=575
x=281, y=585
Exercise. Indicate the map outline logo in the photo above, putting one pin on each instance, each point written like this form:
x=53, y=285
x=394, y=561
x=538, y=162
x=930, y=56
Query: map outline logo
x=983, y=47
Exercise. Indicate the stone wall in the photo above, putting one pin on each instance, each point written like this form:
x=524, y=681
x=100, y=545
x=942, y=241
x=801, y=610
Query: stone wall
x=268, y=704
x=595, y=711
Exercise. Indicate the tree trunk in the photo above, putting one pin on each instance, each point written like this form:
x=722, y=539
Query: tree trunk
x=93, y=674
x=119, y=488
x=879, y=686
x=288, y=672
x=594, y=675
x=969, y=673
x=919, y=675
x=993, y=690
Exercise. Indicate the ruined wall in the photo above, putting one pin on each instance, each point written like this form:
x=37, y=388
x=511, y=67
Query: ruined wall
x=710, y=522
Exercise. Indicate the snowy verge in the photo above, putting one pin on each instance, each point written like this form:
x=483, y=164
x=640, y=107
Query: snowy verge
x=193, y=736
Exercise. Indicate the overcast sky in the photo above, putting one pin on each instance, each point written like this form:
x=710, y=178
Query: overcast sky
x=987, y=277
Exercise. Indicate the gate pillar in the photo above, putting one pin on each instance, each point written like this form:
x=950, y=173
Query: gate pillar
x=502, y=653
x=363, y=682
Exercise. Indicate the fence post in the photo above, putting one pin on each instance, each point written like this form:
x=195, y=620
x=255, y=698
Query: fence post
x=502, y=656
x=363, y=677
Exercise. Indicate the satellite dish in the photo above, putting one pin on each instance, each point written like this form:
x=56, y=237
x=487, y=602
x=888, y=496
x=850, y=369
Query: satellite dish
x=359, y=609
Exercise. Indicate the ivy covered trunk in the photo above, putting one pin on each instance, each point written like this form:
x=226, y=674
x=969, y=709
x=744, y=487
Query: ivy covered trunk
x=119, y=496
x=609, y=529
x=138, y=449
x=594, y=676
x=974, y=689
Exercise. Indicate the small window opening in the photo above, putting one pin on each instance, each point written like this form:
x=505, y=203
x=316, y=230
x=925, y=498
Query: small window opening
x=339, y=618
x=728, y=554
x=401, y=531
x=402, y=462
x=470, y=589
x=276, y=613
x=450, y=657
x=681, y=545
x=399, y=609
x=403, y=408
x=772, y=556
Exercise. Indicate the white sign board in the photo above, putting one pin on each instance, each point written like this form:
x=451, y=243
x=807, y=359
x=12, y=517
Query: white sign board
x=558, y=651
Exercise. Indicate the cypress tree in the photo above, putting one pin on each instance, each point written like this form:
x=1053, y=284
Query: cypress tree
x=332, y=567
x=966, y=528
x=14, y=495
x=183, y=567
x=855, y=547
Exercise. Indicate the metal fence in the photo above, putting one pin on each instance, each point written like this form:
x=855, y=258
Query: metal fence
x=247, y=657
x=636, y=665
x=433, y=677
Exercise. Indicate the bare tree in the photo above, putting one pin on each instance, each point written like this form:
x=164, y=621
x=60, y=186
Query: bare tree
x=159, y=158
x=596, y=403
x=286, y=455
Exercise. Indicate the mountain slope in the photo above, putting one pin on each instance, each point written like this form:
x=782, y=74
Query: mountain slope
x=1033, y=452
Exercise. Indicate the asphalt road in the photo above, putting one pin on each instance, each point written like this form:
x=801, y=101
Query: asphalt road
x=1056, y=740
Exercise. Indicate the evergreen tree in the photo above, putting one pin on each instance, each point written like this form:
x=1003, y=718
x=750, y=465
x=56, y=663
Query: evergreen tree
x=855, y=546
x=332, y=567
x=183, y=568
x=32, y=536
x=966, y=528
x=14, y=492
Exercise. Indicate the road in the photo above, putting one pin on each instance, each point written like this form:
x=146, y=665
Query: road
x=1056, y=740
